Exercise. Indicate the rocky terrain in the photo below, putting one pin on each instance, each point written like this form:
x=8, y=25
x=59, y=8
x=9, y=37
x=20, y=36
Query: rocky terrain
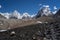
x=44, y=31
x=13, y=23
x=41, y=28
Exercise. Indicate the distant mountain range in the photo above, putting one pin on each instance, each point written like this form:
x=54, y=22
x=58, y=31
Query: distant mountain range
x=17, y=15
x=44, y=11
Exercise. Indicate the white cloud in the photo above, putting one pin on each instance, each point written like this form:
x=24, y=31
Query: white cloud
x=55, y=7
x=0, y=6
x=45, y=5
x=40, y=4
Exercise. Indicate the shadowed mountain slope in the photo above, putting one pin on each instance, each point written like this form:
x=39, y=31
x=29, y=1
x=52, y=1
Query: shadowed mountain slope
x=57, y=14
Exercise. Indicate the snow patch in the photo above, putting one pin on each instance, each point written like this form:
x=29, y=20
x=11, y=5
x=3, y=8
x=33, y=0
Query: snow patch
x=26, y=16
x=55, y=7
x=39, y=22
x=0, y=6
x=2, y=30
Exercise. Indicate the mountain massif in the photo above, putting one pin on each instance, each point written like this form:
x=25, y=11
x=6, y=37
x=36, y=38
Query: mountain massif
x=44, y=26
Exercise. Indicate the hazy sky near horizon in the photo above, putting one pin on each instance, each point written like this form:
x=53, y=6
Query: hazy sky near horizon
x=29, y=6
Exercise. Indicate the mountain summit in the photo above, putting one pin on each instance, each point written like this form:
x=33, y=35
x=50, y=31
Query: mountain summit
x=44, y=11
x=15, y=14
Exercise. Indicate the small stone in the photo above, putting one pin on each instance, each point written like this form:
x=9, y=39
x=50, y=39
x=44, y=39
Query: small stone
x=1, y=23
x=13, y=32
x=46, y=22
x=34, y=38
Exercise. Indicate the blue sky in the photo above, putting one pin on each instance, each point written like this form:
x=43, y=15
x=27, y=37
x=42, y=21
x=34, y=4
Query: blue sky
x=30, y=6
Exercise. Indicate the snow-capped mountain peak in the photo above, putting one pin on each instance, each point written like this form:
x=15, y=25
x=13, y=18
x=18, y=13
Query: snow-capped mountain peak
x=44, y=11
x=15, y=14
x=26, y=15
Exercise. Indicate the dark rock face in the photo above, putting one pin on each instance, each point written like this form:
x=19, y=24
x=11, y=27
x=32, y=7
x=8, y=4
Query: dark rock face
x=26, y=17
x=57, y=14
x=38, y=14
x=13, y=18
